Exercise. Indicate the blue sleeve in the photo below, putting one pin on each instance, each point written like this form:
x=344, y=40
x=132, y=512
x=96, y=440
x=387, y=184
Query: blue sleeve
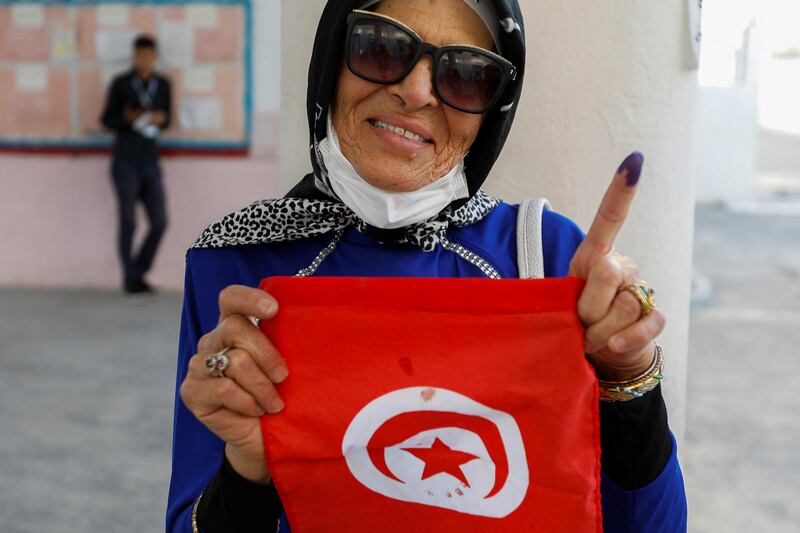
x=196, y=452
x=659, y=507
x=560, y=238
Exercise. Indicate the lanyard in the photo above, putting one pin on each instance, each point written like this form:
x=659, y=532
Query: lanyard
x=146, y=96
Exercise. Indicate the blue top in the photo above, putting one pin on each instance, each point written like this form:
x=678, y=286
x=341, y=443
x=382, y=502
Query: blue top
x=197, y=453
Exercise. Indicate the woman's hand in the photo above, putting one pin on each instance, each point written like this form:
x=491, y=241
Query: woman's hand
x=231, y=406
x=619, y=340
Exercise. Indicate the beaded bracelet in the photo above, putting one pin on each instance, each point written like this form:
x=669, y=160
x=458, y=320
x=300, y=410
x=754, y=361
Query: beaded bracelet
x=624, y=391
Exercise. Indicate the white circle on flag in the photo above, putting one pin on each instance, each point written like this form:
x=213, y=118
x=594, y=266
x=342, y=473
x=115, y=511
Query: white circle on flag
x=467, y=485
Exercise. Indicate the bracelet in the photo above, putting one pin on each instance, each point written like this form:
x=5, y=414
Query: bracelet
x=624, y=391
x=194, y=514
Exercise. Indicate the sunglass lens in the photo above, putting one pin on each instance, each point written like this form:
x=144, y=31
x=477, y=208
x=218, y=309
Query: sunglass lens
x=468, y=80
x=380, y=51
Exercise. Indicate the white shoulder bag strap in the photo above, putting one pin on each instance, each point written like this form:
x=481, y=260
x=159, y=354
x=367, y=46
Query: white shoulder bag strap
x=530, y=254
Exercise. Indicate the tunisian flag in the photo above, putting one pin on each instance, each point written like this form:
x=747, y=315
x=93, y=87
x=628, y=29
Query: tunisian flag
x=433, y=405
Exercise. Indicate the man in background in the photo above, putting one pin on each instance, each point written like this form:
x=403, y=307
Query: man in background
x=138, y=109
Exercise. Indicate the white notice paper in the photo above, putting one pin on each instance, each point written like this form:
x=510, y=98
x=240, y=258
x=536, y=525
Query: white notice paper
x=116, y=45
x=176, y=43
x=202, y=16
x=63, y=43
x=31, y=77
x=200, y=113
x=27, y=16
x=199, y=79
x=113, y=15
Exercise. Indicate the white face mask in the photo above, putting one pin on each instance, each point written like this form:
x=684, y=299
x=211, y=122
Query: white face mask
x=386, y=209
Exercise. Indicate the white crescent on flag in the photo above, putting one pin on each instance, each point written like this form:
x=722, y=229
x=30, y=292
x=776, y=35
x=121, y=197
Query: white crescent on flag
x=436, y=447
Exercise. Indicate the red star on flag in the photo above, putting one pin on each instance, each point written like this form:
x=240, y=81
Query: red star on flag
x=440, y=458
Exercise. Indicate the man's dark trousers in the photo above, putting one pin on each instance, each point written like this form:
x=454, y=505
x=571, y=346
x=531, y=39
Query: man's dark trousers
x=139, y=180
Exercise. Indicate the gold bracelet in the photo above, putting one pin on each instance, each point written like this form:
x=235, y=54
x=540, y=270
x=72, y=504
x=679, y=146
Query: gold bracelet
x=194, y=514
x=624, y=391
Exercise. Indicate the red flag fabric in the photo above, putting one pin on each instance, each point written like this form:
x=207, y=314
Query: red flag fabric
x=433, y=405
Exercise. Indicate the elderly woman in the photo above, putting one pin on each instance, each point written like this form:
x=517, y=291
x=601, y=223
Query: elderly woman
x=409, y=104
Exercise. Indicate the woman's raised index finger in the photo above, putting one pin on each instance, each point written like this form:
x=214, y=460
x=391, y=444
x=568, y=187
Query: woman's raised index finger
x=616, y=203
x=247, y=301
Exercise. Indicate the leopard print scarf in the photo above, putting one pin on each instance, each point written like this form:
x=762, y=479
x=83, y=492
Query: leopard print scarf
x=289, y=219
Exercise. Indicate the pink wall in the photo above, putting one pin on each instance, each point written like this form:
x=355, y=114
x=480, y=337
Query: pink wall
x=58, y=214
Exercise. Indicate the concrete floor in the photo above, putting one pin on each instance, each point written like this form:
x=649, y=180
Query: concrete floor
x=741, y=456
x=86, y=417
x=86, y=395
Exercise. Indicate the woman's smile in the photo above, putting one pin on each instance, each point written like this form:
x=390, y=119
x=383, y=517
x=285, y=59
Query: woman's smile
x=401, y=135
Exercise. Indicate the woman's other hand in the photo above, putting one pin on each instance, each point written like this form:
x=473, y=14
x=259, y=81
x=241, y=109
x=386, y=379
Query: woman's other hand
x=619, y=339
x=231, y=406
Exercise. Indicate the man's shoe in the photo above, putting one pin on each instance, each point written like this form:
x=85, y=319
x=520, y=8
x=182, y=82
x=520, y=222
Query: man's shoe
x=137, y=287
x=146, y=287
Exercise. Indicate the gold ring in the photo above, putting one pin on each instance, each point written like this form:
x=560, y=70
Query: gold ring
x=646, y=296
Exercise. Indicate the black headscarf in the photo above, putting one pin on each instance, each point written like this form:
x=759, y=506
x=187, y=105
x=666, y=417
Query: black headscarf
x=312, y=209
x=323, y=74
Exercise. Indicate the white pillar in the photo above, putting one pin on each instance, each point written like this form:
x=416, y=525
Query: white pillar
x=603, y=79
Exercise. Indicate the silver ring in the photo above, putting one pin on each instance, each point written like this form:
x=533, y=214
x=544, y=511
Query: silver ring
x=218, y=363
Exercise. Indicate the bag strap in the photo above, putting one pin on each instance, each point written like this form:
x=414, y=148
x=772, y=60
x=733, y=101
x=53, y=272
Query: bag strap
x=530, y=254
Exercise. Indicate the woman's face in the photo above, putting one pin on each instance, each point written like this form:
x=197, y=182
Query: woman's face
x=383, y=158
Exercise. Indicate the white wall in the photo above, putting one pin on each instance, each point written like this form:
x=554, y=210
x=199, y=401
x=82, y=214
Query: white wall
x=299, y=22
x=727, y=130
x=727, y=127
x=267, y=58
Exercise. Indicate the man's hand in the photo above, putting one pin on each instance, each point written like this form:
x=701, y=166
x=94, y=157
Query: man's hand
x=158, y=118
x=131, y=114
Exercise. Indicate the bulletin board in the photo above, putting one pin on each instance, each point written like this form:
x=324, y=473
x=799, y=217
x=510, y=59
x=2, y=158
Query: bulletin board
x=58, y=58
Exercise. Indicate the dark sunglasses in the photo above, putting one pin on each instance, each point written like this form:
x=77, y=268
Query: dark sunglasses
x=382, y=50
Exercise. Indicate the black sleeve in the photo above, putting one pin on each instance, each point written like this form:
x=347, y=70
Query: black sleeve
x=232, y=504
x=635, y=439
x=112, y=117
